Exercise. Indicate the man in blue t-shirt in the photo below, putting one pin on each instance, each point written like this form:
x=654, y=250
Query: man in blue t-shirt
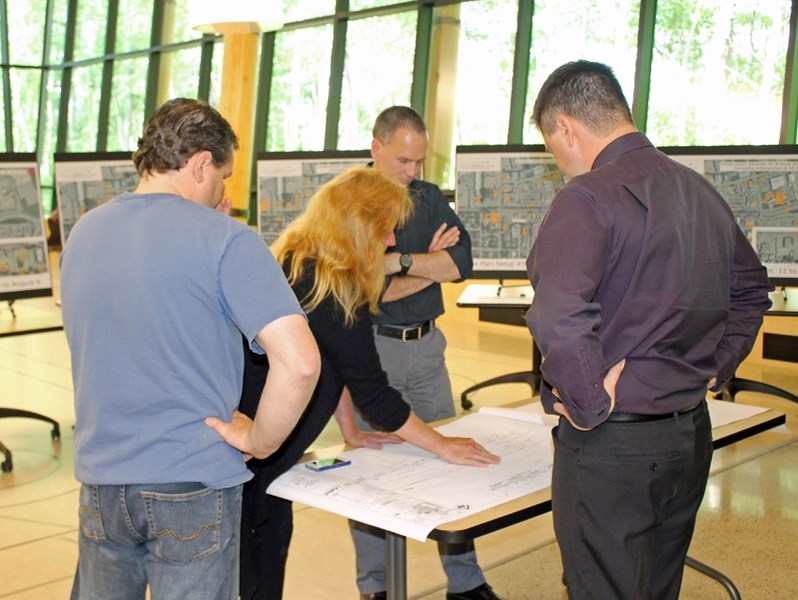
x=157, y=289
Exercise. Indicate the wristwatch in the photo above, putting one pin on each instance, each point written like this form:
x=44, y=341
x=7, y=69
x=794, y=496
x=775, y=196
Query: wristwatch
x=405, y=261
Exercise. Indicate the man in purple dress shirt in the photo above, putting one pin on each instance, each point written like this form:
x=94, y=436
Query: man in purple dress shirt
x=647, y=293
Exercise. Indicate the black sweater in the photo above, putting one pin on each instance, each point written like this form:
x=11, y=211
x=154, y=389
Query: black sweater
x=348, y=357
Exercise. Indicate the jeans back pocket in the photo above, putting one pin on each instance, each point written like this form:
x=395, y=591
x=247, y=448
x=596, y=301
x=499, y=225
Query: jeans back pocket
x=184, y=527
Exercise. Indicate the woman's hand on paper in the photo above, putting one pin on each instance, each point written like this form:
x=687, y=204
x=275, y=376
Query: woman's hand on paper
x=370, y=439
x=465, y=451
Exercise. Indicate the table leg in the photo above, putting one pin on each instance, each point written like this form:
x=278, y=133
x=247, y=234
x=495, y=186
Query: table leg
x=714, y=574
x=396, y=566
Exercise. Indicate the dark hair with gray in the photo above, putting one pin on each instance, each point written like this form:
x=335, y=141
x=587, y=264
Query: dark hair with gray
x=396, y=117
x=587, y=91
x=179, y=129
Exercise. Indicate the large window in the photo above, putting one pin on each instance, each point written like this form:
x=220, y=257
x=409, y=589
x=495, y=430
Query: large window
x=90, y=29
x=126, y=115
x=302, y=10
x=133, y=25
x=599, y=30
x=25, y=50
x=299, y=90
x=84, y=105
x=378, y=73
x=717, y=75
x=485, y=71
x=708, y=72
x=25, y=85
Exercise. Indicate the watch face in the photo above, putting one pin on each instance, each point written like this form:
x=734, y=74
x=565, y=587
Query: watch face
x=406, y=260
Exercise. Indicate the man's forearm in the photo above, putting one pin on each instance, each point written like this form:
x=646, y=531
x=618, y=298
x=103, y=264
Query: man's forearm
x=434, y=267
x=402, y=287
x=437, y=266
x=284, y=398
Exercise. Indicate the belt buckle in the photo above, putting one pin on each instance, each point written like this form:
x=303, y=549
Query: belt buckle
x=415, y=330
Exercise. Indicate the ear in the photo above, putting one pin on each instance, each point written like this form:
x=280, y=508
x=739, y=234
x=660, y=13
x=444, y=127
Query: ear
x=376, y=146
x=566, y=126
x=198, y=163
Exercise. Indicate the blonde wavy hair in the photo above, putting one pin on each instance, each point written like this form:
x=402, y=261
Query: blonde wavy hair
x=342, y=233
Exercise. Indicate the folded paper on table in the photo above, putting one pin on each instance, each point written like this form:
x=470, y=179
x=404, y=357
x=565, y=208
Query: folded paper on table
x=530, y=413
x=723, y=412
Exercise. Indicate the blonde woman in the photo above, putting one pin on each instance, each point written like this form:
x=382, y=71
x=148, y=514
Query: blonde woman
x=333, y=257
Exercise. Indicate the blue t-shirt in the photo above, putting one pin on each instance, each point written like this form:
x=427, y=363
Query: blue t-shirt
x=156, y=291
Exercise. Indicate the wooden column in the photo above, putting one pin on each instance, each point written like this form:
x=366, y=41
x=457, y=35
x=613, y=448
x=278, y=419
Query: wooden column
x=440, y=93
x=237, y=105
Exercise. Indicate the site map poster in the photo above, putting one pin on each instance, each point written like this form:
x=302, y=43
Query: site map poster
x=84, y=183
x=502, y=197
x=286, y=184
x=24, y=259
x=762, y=192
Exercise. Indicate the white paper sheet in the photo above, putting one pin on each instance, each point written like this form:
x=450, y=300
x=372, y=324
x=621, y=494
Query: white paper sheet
x=410, y=492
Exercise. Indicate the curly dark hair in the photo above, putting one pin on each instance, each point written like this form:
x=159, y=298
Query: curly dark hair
x=179, y=129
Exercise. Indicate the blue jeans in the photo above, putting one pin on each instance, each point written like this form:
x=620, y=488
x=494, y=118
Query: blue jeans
x=180, y=538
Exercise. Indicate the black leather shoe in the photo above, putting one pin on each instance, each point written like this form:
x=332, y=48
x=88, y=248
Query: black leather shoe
x=374, y=596
x=483, y=592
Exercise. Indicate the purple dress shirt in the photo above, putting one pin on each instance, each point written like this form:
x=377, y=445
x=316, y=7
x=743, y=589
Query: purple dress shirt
x=641, y=259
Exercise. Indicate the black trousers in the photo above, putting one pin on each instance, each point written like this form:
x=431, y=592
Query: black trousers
x=264, y=547
x=624, y=502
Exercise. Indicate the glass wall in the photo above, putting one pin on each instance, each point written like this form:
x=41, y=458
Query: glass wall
x=717, y=76
x=378, y=73
x=484, y=71
x=600, y=30
x=717, y=69
x=126, y=111
x=300, y=85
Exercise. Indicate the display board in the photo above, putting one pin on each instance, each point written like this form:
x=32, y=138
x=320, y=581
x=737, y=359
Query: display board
x=24, y=259
x=287, y=180
x=503, y=193
x=760, y=184
x=86, y=180
x=501, y=196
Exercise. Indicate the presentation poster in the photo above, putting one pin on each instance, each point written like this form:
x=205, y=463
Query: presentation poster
x=502, y=197
x=286, y=181
x=762, y=191
x=24, y=261
x=85, y=181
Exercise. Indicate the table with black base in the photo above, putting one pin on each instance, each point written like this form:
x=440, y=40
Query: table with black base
x=538, y=503
x=535, y=504
x=785, y=304
x=514, y=298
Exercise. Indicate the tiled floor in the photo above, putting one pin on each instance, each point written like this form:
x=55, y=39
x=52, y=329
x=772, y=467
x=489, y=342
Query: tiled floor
x=747, y=528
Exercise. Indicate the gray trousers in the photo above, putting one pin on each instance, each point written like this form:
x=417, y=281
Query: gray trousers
x=417, y=369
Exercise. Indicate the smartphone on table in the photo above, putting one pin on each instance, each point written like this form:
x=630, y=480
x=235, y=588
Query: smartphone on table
x=325, y=464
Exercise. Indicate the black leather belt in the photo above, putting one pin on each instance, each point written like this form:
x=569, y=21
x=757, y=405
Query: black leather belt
x=406, y=334
x=623, y=417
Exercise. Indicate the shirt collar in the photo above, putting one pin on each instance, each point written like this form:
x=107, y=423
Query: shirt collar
x=619, y=146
